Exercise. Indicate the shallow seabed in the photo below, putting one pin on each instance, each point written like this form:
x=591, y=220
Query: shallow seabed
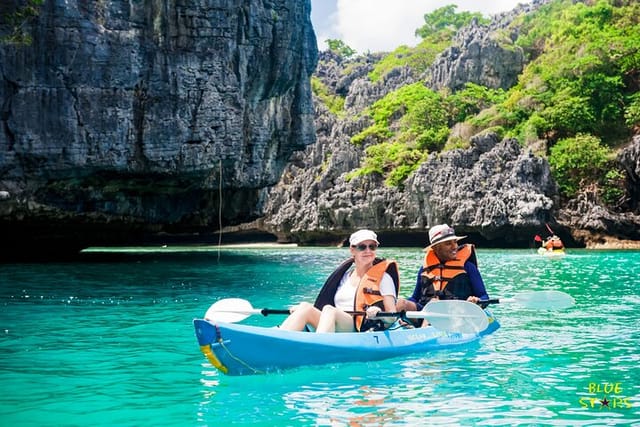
x=110, y=342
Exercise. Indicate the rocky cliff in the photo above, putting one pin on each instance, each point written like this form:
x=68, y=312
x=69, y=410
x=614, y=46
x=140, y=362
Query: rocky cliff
x=126, y=118
x=129, y=120
x=498, y=192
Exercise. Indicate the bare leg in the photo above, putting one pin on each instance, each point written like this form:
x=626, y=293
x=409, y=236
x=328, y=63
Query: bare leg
x=334, y=320
x=305, y=313
x=344, y=322
x=327, y=322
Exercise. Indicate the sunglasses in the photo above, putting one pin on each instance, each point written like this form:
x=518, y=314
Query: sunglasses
x=362, y=247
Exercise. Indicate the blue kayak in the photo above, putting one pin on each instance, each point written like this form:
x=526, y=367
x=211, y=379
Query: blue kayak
x=237, y=349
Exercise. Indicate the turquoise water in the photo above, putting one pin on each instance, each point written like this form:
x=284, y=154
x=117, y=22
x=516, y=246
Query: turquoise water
x=111, y=343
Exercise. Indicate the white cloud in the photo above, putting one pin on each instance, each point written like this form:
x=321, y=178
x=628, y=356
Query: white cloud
x=379, y=24
x=383, y=25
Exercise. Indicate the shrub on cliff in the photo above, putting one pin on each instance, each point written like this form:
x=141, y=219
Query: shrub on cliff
x=14, y=27
x=335, y=103
x=582, y=161
x=437, y=33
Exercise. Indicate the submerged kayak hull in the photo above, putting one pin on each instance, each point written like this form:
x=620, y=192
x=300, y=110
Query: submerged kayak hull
x=236, y=349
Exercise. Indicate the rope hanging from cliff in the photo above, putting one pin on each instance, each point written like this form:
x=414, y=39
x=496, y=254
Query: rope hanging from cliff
x=220, y=211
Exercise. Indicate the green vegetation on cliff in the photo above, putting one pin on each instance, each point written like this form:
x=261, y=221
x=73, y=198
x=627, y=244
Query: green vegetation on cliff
x=437, y=34
x=583, y=72
x=334, y=103
x=412, y=122
x=578, y=93
x=14, y=24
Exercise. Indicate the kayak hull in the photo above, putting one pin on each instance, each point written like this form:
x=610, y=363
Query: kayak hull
x=236, y=349
x=551, y=253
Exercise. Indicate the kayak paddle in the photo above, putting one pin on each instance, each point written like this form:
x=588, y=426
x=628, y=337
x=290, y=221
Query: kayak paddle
x=446, y=315
x=545, y=300
x=232, y=310
x=452, y=316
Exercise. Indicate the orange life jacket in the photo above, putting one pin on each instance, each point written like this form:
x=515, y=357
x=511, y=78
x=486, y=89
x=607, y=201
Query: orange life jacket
x=448, y=280
x=368, y=292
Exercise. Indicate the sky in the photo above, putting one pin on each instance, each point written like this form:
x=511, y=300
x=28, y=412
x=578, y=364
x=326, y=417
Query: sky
x=383, y=25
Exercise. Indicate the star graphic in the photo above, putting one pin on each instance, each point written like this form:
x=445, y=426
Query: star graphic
x=605, y=402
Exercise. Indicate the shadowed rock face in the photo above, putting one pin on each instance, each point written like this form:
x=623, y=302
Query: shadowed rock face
x=129, y=117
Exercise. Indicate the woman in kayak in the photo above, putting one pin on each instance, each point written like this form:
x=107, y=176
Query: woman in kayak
x=363, y=283
x=450, y=271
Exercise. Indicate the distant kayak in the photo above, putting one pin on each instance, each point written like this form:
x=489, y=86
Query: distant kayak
x=552, y=253
x=552, y=246
x=243, y=350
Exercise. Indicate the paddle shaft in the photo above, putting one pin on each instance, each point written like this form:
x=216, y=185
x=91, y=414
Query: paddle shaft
x=407, y=314
x=449, y=316
x=496, y=300
x=267, y=311
x=533, y=300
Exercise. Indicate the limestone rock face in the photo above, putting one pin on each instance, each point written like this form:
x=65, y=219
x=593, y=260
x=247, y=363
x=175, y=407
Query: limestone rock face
x=489, y=190
x=629, y=159
x=596, y=225
x=483, y=54
x=147, y=113
x=477, y=58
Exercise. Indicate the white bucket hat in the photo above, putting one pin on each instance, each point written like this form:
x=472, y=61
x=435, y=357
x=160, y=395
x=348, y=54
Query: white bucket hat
x=442, y=233
x=362, y=235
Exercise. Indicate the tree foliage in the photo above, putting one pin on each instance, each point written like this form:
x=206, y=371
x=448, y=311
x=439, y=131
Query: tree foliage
x=14, y=24
x=418, y=58
x=632, y=111
x=472, y=100
x=578, y=91
x=417, y=121
x=584, y=71
x=445, y=19
x=577, y=162
x=341, y=48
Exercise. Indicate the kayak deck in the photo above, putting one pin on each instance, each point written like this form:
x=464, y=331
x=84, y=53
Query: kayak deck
x=236, y=349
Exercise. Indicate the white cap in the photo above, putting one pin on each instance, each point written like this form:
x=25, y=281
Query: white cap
x=362, y=235
x=442, y=233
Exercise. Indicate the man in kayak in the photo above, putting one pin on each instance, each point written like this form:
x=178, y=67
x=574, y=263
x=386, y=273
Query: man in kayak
x=553, y=243
x=449, y=271
x=363, y=283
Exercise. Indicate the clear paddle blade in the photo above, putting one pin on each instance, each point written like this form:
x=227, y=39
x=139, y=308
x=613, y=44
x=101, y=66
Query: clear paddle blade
x=230, y=310
x=456, y=316
x=549, y=300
